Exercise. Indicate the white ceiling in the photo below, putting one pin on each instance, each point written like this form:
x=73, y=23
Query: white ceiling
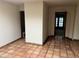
x=50, y=2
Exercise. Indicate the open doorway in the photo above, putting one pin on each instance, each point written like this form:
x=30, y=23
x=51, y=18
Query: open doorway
x=22, y=20
x=60, y=23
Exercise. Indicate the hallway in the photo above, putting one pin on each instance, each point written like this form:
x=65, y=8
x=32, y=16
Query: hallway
x=54, y=47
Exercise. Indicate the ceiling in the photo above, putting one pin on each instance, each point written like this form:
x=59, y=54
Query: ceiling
x=50, y=2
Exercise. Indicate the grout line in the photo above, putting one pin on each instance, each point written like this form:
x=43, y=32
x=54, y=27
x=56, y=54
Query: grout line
x=32, y=52
x=47, y=49
x=54, y=46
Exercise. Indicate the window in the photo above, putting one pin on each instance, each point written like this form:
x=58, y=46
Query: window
x=56, y=22
x=61, y=22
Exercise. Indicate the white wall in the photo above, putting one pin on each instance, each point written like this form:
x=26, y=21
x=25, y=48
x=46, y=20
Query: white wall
x=76, y=25
x=9, y=23
x=34, y=22
x=21, y=7
x=45, y=21
x=69, y=21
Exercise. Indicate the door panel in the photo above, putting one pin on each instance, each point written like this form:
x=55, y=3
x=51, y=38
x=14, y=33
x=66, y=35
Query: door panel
x=60, y=19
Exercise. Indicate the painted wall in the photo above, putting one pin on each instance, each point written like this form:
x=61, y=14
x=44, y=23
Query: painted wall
x=34, y=22
x=45, y=21
x=69, y=21
x=9, y=23
x=21, y=7
x=76, y=25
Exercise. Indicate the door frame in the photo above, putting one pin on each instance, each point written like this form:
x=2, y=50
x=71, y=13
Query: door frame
x=22, y=23
x=65, y=13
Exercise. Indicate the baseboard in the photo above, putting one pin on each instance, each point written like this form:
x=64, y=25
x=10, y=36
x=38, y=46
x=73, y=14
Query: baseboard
x=45, y=40
x=10, y=42
x=51, y=36
x=68, y=38
x=76, y=39
x=34, y=43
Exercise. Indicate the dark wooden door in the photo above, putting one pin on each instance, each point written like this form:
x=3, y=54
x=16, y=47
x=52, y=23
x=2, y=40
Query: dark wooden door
x=22, y=20
x=60, y=23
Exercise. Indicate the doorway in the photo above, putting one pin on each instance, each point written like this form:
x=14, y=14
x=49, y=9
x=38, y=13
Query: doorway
x=60, y=23
x=22, y=21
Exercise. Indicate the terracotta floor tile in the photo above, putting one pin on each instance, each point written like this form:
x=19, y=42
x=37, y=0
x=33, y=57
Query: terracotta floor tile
x=48, y=56
x=50, y=52
x=34, y=55
x=41, y=56
x=63, y=53
x=36, y=52
x=56, y=53
x=54, y=47
x=70, y=54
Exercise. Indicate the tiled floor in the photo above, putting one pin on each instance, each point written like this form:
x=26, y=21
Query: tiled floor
x=54, y=48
